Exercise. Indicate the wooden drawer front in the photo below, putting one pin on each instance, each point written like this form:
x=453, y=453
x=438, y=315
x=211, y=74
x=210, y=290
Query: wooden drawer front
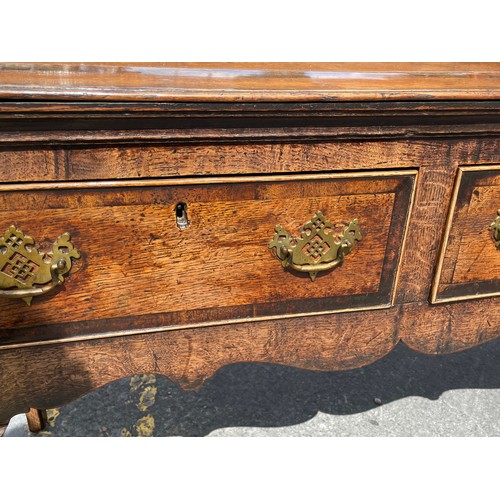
x=469, y=262
x=140, y=272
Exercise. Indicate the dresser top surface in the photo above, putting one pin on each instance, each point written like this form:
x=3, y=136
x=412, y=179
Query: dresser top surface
x=249, y=82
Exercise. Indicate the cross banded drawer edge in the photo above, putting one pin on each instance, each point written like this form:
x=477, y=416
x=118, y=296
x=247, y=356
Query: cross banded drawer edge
x=140, y=272
x=469, y=259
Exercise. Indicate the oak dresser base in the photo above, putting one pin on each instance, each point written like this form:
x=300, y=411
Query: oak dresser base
x=165, y=209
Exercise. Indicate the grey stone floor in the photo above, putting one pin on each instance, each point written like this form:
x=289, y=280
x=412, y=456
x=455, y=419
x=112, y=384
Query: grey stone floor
x=403, y=394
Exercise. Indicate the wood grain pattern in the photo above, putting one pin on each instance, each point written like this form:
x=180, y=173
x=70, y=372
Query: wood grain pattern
x=433, y=193
x=146, y=161
x=98, y=130
x=206, y=160
x=18, y=166
x=221, y=135
x=445, y=328
x=477, y=258
x=470, y=261
x=249, y=81
x=19, y=110
x=36, y=419
x=432, y=200
x=337, y=342
x=138, y=270
x=188, y=357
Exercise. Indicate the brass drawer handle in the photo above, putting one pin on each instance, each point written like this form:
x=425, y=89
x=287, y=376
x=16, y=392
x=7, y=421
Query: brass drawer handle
x=23, y=266
x=495, y=227
x=318, y=248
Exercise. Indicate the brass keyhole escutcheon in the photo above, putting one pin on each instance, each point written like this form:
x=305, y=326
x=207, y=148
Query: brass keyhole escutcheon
x=181, y=215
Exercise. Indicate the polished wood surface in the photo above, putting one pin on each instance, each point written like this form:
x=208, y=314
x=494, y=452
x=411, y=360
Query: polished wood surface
x=284, y=82
x=246, y=146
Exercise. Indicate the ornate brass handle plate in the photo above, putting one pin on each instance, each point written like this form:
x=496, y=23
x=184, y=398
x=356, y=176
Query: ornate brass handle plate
x=318, y=248
x=495, y=227
x=22, y=266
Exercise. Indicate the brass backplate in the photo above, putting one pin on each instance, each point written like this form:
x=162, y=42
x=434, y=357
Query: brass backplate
x=22, y=265
x=318, y=248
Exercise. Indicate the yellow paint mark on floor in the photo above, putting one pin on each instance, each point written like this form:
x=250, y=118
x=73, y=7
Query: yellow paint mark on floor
x=143, y=390
x=44, y=434
x=143, y=393
x=145, y=386
x=147, y=398
x=52, y=415
x=139, y=381
x=145, y=426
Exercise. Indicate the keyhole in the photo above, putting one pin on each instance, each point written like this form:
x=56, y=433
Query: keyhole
x=181, y=215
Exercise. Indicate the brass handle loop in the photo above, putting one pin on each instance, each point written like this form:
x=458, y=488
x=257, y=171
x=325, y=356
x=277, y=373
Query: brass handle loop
x=318, y=248
x=56, y=271
x=22, y=266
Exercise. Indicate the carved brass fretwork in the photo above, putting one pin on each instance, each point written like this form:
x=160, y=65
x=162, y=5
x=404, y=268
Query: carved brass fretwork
x=318, y=248
x=495, y=227
x=22, y=266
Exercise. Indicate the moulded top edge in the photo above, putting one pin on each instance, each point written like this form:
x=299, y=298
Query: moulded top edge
x=249, y=82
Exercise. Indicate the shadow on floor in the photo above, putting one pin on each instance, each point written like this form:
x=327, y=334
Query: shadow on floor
x=262, y=395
